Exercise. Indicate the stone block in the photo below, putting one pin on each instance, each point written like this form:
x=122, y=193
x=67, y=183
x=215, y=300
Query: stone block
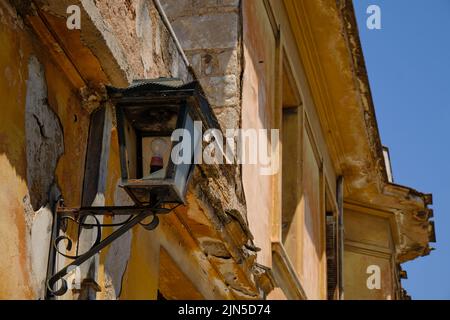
x=216, y=31
x=177, y=8
x=229, y=117
x=211, y=63
x=221, y=91
x=199, y=4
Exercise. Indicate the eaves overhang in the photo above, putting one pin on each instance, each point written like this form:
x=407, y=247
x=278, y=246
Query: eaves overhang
x=328, y=42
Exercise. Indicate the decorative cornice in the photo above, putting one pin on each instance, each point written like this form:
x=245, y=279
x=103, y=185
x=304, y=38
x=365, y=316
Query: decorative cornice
x=351, y=35
x=316, y=77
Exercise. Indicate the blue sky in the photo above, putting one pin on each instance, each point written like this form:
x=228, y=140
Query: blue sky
x=408, y=62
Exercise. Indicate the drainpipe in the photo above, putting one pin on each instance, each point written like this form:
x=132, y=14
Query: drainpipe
x=340, y=203
x=166, y=22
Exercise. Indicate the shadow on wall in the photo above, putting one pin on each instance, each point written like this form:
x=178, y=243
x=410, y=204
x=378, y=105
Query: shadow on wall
x=30, y=150
x=31, y=143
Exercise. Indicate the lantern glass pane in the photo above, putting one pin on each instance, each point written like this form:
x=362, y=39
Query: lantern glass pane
x=183, y=170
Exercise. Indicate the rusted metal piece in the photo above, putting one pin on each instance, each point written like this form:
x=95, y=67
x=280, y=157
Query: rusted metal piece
x=79, y=215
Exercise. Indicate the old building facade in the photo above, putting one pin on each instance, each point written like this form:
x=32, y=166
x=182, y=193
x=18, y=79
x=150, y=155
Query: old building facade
x=329, y=224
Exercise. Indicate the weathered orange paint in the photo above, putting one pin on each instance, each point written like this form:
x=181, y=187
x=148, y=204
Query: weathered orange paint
x=17, y=47
x=14, y=264
x=141, y=277
x=257, y=104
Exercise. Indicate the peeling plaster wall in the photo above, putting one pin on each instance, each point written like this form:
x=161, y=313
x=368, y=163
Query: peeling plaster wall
x=44, y=137
x=137, y=37
x=130, y=41
x=39, y=106
x=44, y=146
x=15, y=275
x=57, y=125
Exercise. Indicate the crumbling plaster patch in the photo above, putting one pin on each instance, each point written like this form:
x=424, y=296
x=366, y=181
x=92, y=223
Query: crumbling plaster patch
x=39, y=226
x=137, y=38
x=44, y=146
x=109, y=37
x=44, y=136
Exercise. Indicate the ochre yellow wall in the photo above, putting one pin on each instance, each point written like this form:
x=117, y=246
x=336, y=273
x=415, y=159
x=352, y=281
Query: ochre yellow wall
x=368, y=242
x=14, y=268
x=141, y=278
x=311, y=266
x=261, y=108
x=258, y=91
x=16, y=219
x=355, y=275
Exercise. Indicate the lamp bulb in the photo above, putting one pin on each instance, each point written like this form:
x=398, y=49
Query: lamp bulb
x=159, y=147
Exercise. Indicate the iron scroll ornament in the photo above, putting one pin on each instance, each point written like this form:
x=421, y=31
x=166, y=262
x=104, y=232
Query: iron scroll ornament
x=136, y=215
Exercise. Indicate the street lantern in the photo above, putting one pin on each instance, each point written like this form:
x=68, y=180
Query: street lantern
x=153, y=117
x=159, y=126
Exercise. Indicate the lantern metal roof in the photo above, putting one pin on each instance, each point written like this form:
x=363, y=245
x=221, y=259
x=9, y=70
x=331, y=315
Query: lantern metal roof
x=162, y=92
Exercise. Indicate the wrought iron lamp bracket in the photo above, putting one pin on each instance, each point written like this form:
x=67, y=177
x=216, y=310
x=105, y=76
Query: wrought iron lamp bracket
x=136, y=215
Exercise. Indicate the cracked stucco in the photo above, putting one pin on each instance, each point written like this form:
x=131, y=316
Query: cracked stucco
x=44, y=146
x=44, y=136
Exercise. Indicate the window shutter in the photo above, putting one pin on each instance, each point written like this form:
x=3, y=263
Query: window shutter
x=332, y=268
